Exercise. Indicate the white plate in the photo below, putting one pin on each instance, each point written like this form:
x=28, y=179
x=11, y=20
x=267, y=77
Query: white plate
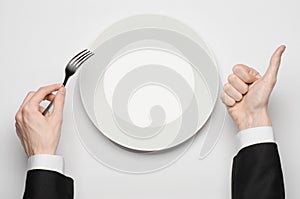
x=114, y=156
x=197, y=90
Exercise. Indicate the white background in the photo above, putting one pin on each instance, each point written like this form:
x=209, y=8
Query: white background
x=37, y=38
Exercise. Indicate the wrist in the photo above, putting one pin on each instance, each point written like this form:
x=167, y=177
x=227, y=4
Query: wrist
x=254, y=119
x=44, y=152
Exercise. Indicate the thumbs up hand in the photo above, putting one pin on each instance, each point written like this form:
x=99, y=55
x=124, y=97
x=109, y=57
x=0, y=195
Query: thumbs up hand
x=247, y=93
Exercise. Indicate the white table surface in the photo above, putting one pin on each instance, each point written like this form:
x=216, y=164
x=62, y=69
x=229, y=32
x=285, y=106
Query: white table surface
x=37, y=38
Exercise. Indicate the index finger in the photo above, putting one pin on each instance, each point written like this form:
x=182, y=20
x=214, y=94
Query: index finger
x=43, y=92
x=245, y=73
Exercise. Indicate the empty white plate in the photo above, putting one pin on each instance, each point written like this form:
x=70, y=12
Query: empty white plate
x=149, y=89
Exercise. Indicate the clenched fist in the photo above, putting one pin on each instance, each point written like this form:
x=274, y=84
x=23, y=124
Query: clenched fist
x=247, y=93
x=40, y=134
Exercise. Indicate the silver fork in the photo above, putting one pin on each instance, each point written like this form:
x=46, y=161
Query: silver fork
x=71, y=68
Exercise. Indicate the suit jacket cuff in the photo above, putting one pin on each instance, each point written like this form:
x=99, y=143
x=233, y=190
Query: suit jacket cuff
x=46, y=162
x=256, y=135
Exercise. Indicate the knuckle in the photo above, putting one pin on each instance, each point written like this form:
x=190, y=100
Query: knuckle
x=244, y=89
x=30, y=93
x=239, y=97
x=253, y=71
x=231, y=103
x=227, y=101
x=236, y=67
x=41, y=88
x=227, y=87
x=223, y=97
x=231, y=78
x=247, y=79
x=18, y=117
x=26, y=109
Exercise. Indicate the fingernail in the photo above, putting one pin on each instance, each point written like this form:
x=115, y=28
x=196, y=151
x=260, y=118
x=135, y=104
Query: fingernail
x=62, y=90
x=284, y=48
x=58, y=84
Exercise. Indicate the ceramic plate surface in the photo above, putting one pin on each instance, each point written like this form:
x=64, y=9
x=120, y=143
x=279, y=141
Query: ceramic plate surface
x=114, y=156
x=149, y=89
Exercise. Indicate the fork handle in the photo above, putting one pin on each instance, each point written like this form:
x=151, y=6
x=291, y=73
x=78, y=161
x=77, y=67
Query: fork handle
x=51, y=103
x=47, y=108
x=66, y=79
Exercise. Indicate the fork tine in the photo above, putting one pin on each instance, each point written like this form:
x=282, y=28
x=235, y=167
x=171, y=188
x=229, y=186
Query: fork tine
x=80, y=62
x=82, y=57
x=75, y=61
x=75, y=57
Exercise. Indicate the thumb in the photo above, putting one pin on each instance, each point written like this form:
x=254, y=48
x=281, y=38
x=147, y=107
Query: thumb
x=273, y=68
x=59, y=101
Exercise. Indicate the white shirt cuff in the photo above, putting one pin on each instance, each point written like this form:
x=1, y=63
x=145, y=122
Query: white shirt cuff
x=46, y=162
x=255, y=135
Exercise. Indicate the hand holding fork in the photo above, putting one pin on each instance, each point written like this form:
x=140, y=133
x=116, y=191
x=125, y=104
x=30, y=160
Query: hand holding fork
x=71, y=68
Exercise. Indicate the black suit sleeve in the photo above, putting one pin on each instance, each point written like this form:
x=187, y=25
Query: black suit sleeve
x=45, y=184
x=257, y=174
